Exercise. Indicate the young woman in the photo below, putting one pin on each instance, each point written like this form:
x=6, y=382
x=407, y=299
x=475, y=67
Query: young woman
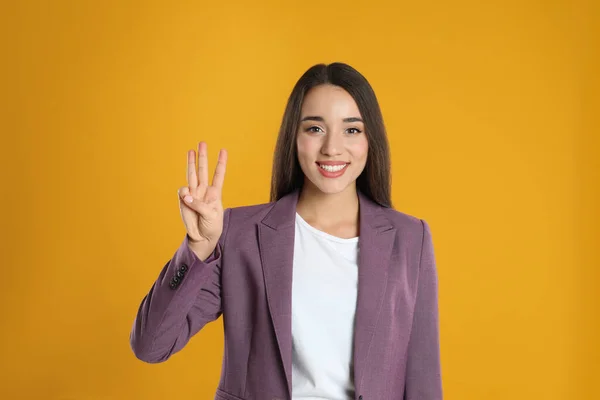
x=306, y=314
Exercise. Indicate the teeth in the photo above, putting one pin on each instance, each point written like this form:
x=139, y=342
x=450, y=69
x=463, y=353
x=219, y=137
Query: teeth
x=333, y=168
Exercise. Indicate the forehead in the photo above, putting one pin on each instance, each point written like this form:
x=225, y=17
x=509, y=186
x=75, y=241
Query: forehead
x=329, y=100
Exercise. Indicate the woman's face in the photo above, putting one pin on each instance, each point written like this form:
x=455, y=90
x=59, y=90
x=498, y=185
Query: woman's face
x=332, y=145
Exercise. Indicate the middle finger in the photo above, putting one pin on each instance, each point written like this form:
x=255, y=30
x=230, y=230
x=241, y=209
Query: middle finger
x=203, y=163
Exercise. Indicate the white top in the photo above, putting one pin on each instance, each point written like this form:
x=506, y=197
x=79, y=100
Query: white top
x=324, y=288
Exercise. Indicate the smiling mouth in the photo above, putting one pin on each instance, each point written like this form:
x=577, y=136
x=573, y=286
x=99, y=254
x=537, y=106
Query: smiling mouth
x=332, y=168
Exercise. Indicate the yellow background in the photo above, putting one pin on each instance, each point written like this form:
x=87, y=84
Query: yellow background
x=492, y=112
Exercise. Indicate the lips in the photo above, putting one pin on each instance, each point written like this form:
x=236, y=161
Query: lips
x=332, y=169
x=332, y=162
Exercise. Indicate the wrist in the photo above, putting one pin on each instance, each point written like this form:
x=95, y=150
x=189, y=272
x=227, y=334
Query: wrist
x=202, y=248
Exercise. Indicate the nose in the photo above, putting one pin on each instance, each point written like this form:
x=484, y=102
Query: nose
x=332, y=145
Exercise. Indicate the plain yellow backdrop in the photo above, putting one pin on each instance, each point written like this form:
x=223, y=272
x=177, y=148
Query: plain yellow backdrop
x=492, y=113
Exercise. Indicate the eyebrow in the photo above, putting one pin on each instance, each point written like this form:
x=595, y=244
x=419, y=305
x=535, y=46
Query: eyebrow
x=321, y=119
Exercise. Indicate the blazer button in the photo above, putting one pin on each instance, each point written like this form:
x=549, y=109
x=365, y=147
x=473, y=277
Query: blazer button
x=360, y=397
x=180, y=274
x=183, y=268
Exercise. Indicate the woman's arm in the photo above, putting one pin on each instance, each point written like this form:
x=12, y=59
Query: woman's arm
x=423, y=373
x=184, y=298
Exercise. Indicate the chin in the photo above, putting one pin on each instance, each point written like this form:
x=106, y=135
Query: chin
x=330, y=187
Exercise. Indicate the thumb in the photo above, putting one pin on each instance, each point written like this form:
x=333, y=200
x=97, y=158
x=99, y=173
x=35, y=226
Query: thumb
x=184, y=194
x=194, y=204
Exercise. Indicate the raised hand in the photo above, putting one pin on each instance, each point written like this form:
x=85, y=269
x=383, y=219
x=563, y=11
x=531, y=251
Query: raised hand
x=200, y=203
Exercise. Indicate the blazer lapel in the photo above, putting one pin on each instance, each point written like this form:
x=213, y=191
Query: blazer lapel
x=276, y=244
x=376, y=239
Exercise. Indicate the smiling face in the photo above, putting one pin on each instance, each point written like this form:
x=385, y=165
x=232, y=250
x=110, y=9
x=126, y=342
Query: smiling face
x=332, y=145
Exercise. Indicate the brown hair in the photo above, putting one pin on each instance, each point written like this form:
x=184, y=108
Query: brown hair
x=375, y=180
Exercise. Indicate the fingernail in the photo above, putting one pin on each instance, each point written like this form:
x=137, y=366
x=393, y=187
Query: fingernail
x=188, y=199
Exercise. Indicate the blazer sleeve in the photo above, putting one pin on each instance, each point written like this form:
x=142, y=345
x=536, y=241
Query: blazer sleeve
x=423, y=373
x=185, y=297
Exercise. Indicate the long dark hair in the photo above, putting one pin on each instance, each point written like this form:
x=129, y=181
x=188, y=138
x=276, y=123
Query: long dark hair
x=375, y=180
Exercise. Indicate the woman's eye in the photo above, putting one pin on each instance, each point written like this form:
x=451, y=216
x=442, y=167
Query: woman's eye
x=317, y=129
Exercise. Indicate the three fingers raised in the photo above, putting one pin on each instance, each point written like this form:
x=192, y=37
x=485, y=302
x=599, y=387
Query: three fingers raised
x=197, y=176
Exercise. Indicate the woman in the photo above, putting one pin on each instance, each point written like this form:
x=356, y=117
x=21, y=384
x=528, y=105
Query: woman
x=305, y=314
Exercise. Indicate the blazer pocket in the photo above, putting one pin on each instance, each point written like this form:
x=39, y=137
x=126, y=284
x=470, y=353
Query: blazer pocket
x=223, y=395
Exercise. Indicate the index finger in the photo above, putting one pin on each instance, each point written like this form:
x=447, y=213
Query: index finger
x=219, y=175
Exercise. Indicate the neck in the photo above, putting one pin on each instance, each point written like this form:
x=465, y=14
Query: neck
x=328, y=208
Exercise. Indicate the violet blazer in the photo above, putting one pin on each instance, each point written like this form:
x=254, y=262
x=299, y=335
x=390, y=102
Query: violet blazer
x=248, y=280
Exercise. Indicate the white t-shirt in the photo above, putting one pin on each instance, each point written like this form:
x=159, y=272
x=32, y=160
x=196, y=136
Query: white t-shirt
x=324, y=288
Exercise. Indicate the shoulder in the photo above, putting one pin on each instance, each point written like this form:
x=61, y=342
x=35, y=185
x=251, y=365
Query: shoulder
x=408, y=224
x=401, y=219
x=249, y=213
x=243, y=219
